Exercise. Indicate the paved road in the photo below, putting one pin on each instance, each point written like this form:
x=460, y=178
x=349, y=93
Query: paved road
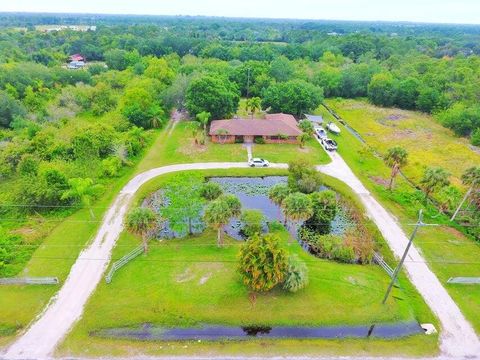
x=40, y=340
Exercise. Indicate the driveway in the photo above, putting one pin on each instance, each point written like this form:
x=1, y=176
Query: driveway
x=40, y=340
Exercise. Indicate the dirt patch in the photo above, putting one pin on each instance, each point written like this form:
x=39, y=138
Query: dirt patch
x=475, y=149
x=453, y=232
x=192, y=148
x=391, y=120
x=304, y=150
x=403, y=134
x=187, y=275
x=379, y=180
x=204, y=278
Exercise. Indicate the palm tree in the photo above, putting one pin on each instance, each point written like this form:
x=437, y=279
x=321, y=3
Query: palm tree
x=297, y=207
x=306, y=126
x=194, y=127
x=203, y=119
x=470, y=177
x=396, y=158
x=254, y=104
x=219, y=212
x=140, y=221
x=278, y=193
x=434, y=178
x=83, y=190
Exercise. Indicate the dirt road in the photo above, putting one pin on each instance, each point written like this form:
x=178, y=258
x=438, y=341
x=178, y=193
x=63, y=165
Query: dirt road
x=458, y=338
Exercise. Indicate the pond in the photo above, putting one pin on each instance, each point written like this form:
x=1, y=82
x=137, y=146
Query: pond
x=220, y=332
x=253, y=194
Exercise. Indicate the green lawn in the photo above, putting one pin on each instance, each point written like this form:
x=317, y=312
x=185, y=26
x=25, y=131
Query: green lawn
x=180, y=147
x=427, y=142
x=65, y=239
x=448, y=252
x=191, y=281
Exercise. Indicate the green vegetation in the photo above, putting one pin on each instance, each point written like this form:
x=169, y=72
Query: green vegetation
x=198, y=282
x=448, y=251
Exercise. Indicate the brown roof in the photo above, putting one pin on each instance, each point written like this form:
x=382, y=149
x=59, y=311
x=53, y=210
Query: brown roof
x=272, y=125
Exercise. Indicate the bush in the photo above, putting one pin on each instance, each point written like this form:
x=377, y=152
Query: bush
x=475, y=139
x=210, y=190
x=329, y=246
x=111, y=166
x=253, y=222
x=262, y=262
x=296, y=275
x=259, y=140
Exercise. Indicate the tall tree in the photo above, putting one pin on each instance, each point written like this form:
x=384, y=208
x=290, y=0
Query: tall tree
x=293, y=97
x=213, y=94
x=219, y=212
x=254, y=104
x=184, y=204
x=433, y=179
x=396, y=158
x=203, y=118
x=297, y=207
x=277, y=193
x=84, y=191
x=140, y=221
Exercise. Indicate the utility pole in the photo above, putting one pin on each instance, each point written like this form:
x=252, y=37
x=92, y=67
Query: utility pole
x=402, y=260
x=248, y=82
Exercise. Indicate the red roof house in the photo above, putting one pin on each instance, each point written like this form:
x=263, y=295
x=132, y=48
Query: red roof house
x=275, y=128
x=77, y=57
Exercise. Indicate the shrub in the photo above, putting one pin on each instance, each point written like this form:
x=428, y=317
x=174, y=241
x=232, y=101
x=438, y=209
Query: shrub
x=361, y=242
x=259, y=140
x=210, y=190
x=262, y=262
x=296, y=275
x=328, y=246
x=111, y=166
x=253, y=222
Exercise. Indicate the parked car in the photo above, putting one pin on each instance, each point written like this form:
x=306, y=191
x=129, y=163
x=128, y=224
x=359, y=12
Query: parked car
x=320, y=132
x=257, y=162
x=333, y=128
x=329, y=144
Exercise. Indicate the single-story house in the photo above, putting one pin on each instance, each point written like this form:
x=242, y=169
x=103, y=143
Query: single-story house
x=76, y=64
x=275, y=128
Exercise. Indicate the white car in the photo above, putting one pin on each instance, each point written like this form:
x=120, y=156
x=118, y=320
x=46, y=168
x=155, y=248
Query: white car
x=257, y=162
x=329, y=144
x=320, y=132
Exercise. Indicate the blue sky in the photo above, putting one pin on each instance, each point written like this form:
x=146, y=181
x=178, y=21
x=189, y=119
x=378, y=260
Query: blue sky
x=445, y=11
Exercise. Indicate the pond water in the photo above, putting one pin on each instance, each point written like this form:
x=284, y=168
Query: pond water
x=253, y=194
x=218, y=332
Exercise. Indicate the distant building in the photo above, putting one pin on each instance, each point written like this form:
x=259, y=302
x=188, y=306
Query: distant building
x=275, y=128
x=51, y=28
x=76, y=61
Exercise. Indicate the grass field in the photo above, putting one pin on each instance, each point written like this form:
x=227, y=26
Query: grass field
x=448, y=252
x=191, y=281
x=427, y=142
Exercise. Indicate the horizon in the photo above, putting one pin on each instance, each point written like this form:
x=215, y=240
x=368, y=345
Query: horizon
x=409, y=11
x=225, y=17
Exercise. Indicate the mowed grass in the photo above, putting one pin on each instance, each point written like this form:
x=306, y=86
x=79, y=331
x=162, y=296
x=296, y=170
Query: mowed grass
x=428, y=143
x=191, y=281
x=449, y=253
x=61, y=246
x=180, y=147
